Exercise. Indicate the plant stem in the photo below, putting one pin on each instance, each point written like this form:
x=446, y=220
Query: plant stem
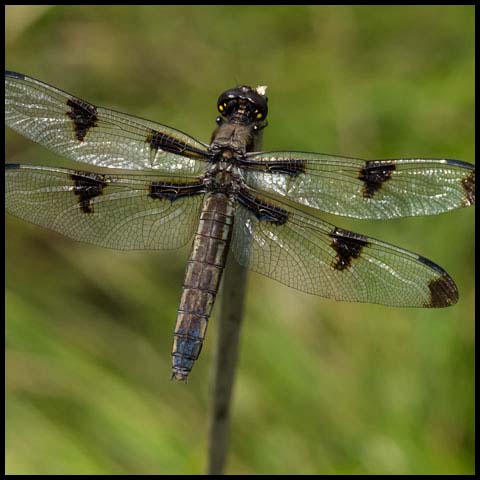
x=235, y=280
x=228, y=339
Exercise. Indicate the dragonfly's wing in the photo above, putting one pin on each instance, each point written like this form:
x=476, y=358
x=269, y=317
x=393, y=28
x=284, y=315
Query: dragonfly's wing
x=373, y=189
x=125, y=212
x=309, y=254
x=98, y=136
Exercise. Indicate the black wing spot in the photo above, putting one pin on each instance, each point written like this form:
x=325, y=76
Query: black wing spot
x=263, y=211
x=443, y=291
x=167, y=143
x=88, y=185
x=288, y=167
x=174, y=191
x=84, y=116
x=374, y=174
x=160, y=141
x=291, y=167
x=348, y=246
x=468, y=184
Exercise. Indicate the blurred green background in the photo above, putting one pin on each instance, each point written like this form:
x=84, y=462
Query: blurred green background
x=323, y=387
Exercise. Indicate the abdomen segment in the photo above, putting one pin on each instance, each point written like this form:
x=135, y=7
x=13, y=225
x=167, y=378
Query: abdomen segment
x=202, y=279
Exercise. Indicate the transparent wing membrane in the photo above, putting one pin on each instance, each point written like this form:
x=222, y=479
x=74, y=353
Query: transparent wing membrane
x=123, y=212
x=376, y=189
x=311, y=255
x=94, y=135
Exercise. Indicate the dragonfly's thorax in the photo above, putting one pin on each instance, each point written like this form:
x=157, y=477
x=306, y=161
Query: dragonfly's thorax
x=232, y=137
x=224, y=176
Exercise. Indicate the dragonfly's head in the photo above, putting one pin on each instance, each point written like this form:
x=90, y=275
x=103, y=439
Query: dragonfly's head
x=244, y=105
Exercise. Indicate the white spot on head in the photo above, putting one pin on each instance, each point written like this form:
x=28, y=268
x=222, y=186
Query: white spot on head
x=261, y=90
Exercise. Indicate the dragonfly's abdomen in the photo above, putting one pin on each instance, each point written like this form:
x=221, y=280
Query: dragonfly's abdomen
x=202, y=279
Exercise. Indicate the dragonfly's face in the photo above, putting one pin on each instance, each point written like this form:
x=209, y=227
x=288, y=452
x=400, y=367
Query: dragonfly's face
x=244, y=105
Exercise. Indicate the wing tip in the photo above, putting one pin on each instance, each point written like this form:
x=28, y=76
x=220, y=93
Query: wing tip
x=468, y=184
x=459, y=163
x=443, y=290
x=11, y=74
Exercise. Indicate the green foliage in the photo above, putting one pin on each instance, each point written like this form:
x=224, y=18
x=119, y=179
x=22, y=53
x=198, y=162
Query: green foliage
x=323, y=387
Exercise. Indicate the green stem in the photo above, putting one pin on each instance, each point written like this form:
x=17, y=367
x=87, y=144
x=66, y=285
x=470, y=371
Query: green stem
x=234, y=286
x=228, y=339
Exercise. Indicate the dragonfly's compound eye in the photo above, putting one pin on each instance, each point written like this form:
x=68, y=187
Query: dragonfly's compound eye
x=260, y=105
x=249, y=101
x=226, y=106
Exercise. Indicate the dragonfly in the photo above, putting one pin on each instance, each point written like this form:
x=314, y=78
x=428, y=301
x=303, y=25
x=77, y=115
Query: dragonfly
x=157, y=188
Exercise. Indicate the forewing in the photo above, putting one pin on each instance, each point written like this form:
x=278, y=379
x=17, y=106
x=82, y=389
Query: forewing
x=367, y=189
x=125, y=212
x=306, y=253
x=98, y=136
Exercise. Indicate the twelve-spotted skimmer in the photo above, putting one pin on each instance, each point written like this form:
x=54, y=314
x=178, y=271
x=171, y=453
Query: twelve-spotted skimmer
x=259, y=205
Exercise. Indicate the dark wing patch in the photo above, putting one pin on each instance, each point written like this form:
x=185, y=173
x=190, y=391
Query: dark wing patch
x=174, y=191
x=292, y=167
x=468, y=184
x=443, y=291
x=88, y=185
x=348, y=246
x=170, y=144
x=263, y=211
x=84, y=116
x=374, y=174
